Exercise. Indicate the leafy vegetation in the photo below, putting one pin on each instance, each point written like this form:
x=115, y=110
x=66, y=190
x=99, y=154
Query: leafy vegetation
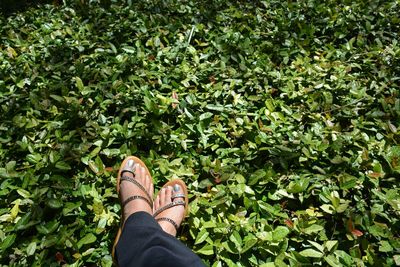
x=283, y=118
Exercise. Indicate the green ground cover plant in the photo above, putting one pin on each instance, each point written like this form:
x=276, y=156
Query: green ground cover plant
x=282, y=117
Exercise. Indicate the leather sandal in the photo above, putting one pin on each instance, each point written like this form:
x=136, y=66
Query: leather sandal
x=125, y=168
x=174, y=203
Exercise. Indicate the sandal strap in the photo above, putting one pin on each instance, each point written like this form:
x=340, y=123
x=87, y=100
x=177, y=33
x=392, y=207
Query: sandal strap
x=168, y=206
x=170, y=221
x=178, y=196
x=129, y=199
x=131, y=172
x=134, y=181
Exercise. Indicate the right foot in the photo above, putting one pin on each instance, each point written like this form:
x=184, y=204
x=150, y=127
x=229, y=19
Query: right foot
x=171, y=218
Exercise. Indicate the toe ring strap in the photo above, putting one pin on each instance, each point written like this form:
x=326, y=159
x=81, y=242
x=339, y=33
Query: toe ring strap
x=170, y=221
x=129, y=199
x=129, y=171
x=178, y=196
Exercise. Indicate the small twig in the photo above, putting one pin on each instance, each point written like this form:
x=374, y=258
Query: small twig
x=190, y=36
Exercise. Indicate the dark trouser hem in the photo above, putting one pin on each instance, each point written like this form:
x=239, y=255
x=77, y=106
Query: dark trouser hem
x=144, y=243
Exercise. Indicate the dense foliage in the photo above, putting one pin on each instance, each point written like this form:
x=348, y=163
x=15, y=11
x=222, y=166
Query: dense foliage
x=282, y=117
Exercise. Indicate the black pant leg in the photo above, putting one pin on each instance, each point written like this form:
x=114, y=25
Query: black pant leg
x=144, y=243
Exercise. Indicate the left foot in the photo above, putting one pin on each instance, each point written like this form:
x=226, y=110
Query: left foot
x=136, y=188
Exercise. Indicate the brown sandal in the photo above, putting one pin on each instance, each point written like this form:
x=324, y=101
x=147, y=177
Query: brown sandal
x=130, y=169
x=174, y=203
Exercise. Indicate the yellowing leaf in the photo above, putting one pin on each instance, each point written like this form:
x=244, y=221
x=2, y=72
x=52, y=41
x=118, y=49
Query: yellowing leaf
x=15, y=210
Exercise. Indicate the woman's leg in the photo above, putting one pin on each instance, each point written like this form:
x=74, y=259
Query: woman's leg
x=143, y=242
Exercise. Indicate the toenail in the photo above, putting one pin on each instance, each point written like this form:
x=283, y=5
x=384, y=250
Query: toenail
x=177, y=188
x=131, y=163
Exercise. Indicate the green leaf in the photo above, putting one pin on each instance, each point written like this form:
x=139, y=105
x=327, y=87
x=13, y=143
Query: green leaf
x=55, y=203
x=201, y=236
x=8, y=241
x=236, y=239
x=129, y=49
x=346, y=258
x=313, y=229
x=79, y=84
x=332, y=260
x=256, y=176
x=393, y=158
x=62, y=165
x=24, y=222
x=205, y=115
x=299, y=185
x=311, y=253
x=206, y=250
x=70, y=206
x=330, y=244
x=250, y=242
x=87, y=239
x=23, y=193
x=317, y=245
x=385, y=246
x=215, y=107
x=280, y=233
x=47, y=228
x=30, y=250
x=34, y=158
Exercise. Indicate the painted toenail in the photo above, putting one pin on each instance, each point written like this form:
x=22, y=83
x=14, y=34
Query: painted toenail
x=131, y=163
x=177, y=188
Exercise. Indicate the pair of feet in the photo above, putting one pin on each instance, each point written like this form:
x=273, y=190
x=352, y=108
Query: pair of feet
x=168, y=208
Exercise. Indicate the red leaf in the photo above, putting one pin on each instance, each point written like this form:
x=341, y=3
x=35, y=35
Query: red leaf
x=374, y=174
x=289, y=223
x=357, y=232
x=60, y=257
x=109, y=169
x=212, y=79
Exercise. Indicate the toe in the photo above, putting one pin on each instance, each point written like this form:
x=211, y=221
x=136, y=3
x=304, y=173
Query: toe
x=177, y=191
x=155, y=204
x=168, y=194
x=162, y=197
x=141, y=177
x=129, y=166
x=151, y=187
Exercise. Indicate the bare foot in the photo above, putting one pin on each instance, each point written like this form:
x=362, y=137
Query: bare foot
x=133, y=197
x=170, y=218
